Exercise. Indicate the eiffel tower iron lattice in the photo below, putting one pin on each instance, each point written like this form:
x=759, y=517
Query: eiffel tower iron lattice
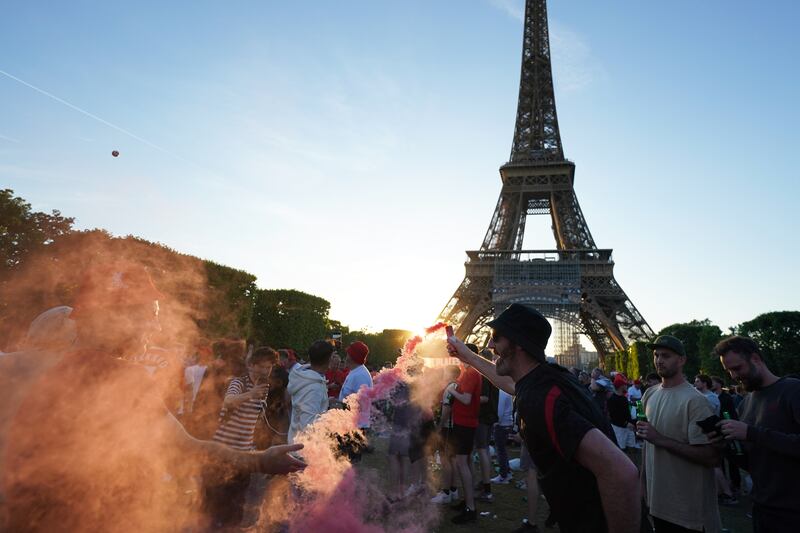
x=573, y=284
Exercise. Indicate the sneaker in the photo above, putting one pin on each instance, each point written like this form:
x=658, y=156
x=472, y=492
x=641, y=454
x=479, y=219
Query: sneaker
x=727, y=501
x=441, y=497
x=500, y=480
x=465, y=516
x=526, y=527
x=487, y=497
x=413, y=490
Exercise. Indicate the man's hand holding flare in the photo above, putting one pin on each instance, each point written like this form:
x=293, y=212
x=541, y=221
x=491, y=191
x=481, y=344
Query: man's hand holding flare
x=456, y=348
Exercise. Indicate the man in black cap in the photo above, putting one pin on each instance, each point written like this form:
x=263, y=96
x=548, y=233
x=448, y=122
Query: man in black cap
x=590, y=484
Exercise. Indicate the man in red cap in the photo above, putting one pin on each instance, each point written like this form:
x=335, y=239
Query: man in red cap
x=619, y=413
x=359, y=376
x=92, y=445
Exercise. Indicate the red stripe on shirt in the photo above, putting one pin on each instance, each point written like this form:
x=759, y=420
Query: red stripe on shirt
x=549, y=409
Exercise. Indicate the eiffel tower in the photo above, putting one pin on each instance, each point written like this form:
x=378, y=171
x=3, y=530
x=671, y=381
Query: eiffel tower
x=573, y=284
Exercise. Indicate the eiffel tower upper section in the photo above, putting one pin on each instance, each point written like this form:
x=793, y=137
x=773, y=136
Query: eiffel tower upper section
x=536, y=134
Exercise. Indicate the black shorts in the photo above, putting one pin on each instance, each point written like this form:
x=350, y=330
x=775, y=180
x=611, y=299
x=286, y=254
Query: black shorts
x=464, y=438
x=447, y=442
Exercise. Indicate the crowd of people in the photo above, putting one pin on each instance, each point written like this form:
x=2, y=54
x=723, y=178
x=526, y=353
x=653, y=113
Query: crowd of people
x=95, y=410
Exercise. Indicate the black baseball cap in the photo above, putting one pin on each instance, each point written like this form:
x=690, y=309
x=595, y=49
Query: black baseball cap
x=524, y=326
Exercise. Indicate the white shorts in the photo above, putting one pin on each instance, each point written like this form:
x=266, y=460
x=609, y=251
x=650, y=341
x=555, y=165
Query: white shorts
x=626, y=438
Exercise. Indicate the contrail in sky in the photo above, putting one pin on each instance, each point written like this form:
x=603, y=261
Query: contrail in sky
x=95, y=117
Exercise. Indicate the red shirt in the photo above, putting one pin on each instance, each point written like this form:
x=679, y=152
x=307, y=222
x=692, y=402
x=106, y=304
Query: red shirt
x=468, y=382
x=335, y=379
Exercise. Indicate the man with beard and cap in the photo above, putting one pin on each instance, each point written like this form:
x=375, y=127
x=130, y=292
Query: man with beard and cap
x=769, y=431
x=590, y=484
x=91, y=442
x=678, y=458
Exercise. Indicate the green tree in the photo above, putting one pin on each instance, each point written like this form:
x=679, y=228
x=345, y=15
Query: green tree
x=698, y=338
x=285, y=318
x=384, y=347
x=23, y=231
x=230, y=301
x=778, y=335
x=644, y=358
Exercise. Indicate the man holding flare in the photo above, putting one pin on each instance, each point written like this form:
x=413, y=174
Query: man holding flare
x=570, y=441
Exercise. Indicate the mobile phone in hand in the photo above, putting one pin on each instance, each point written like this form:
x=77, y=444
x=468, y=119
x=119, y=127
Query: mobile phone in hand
x=709, y=425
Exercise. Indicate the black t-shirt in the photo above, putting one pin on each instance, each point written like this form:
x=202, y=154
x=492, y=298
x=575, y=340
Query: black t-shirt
x=726, y=405
x=773, y=446
x=619, y=410
x=555, y=413
x=487, y=414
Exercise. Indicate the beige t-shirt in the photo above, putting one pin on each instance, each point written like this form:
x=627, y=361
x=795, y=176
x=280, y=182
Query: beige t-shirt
x=678, y=490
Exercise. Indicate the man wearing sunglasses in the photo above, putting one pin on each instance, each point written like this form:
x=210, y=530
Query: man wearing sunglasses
x=590, y=484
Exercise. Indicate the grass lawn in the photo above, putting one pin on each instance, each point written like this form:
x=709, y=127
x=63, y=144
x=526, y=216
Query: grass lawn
x=510, y=504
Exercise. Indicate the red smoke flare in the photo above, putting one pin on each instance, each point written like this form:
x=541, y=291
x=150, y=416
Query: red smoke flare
x=435, y=327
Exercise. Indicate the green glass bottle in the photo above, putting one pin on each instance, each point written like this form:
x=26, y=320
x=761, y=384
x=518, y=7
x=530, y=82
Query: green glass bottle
x=737, y=446
x=640, y=416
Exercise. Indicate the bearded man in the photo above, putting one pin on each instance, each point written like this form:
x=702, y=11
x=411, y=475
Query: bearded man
x=769, y=432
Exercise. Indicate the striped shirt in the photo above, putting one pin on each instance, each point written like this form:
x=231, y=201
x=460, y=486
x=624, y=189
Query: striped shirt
x=237, y=426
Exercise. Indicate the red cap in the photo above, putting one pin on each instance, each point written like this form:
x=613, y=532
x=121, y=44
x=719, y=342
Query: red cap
x=114, y=285
x=358, y=352
x=620, y=380
x=637, y=381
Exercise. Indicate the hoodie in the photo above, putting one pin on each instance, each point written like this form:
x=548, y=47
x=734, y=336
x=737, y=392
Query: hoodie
x=309, y=392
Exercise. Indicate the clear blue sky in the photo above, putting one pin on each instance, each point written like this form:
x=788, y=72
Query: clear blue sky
x=350, y=149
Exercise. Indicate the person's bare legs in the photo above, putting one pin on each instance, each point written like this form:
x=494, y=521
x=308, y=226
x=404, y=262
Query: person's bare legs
x=533, y=495
x=723, y=485
x=395, y=469
x=448, y=472
x=486, y=465
x=405, y=473
x=462, y=465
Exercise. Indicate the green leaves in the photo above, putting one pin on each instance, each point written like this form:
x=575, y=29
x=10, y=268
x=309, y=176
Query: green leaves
x=23, y=231
x=778, y=335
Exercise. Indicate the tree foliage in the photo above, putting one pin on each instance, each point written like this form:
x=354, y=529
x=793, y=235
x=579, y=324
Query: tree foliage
x=23, y=231
x=230, y=302
x=778, y=335
x=698, y=338
x=384, y=347
x=639, y=360
x=285, y=318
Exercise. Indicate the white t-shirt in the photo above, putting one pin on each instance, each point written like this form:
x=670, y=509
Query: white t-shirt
x=352, y=384
x=678, y=490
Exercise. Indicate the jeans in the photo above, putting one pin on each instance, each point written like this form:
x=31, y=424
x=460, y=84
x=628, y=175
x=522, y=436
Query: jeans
x=500, y=438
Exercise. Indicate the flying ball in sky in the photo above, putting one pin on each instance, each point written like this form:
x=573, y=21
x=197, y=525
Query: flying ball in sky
x=115, y=153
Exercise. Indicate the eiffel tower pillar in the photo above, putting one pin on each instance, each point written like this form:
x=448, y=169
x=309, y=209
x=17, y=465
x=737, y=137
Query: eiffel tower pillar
x=573, y=283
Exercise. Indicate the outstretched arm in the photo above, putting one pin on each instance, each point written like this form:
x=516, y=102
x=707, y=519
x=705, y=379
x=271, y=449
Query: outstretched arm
x=458, y=349
x=617, y=481
x=274, y=460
